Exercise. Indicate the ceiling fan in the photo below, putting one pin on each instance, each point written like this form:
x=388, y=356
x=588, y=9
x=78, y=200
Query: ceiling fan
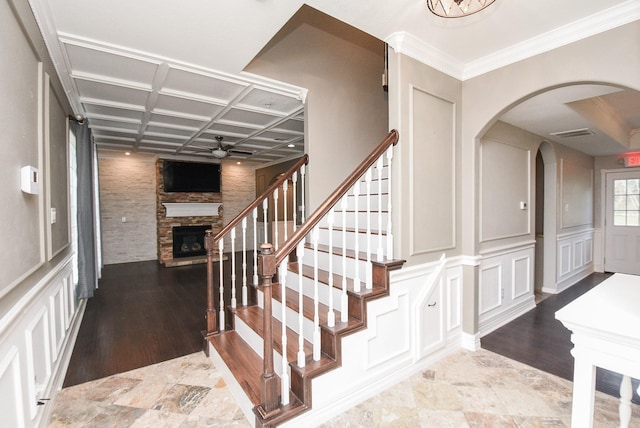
x=221, y=151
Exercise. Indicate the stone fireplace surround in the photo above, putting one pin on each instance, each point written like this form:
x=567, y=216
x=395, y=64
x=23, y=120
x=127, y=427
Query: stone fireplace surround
x=192, y=210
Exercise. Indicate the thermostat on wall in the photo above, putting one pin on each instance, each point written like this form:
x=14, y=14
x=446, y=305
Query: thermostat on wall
x=29, y=178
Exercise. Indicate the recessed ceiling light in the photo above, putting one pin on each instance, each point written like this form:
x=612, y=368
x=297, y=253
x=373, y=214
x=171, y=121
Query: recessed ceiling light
x=127, y=153
x=291, y=145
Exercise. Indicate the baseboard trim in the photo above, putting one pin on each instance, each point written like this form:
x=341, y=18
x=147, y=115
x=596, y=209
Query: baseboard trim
x=470, y=342
x=506, y=316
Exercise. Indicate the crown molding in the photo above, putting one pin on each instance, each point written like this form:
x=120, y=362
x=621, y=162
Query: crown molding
x=408, y=44
x=608, y=19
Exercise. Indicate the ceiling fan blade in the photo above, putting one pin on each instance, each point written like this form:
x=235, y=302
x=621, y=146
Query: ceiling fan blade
x=239, y=152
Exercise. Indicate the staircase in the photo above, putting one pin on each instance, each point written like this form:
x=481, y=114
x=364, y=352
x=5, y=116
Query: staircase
x=299, y=298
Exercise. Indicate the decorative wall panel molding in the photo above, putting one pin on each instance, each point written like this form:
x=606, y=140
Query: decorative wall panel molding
x=36, y=340
x=505, y=285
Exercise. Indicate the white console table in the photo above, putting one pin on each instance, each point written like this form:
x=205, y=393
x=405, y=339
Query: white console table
x=605, y=323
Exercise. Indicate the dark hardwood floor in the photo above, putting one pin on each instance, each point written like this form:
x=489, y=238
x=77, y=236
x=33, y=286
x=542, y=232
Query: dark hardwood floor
x=141, y=314
x=539, y=340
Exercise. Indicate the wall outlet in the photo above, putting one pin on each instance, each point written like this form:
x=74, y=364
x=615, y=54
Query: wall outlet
x=53, y=215
x=523, y=205
x=124, y=219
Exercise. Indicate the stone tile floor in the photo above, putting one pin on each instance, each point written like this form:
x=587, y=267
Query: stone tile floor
x=465, y=389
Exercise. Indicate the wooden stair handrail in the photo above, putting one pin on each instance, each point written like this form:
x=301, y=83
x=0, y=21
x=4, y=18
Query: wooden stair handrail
x=305, y=228
x=245, y=212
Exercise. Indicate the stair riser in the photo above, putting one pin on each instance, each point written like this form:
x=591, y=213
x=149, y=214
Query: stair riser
x=362, y=203
x=350, y=239
x=308, y=289
x=254, y=340
x=350, y=220
x=375, y=185
x=350, y=265
x=292, y=321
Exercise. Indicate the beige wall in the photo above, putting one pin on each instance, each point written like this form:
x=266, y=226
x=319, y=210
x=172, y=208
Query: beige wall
x=31, y=98
x=38, y=309
x=426, y=160
x=506, y=179
x=479, y=103
x=346, y=108
x=127, y=189
x=607, y=57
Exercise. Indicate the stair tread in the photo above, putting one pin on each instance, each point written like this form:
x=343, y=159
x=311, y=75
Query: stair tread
x=245, y=365
x=253, y=317
x=353, y=230
x=323, y=277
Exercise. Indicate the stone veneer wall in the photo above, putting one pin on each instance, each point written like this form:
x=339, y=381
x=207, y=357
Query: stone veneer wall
x=238, y=191
x=166, y=224
x=127, y=190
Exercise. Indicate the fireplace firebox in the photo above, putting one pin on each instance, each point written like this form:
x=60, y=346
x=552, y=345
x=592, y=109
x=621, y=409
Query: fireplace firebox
x=188, y=241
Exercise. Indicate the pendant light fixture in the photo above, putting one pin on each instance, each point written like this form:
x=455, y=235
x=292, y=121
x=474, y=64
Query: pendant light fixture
x=457, y=8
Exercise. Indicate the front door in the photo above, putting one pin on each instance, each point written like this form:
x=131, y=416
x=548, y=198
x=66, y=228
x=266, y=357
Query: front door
x=622, y=222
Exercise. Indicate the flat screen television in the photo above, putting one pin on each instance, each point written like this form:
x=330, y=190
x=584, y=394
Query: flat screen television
x=182, y=176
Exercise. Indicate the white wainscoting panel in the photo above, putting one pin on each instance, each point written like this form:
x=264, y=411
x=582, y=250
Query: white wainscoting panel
x=521, y=276
x=385, y=342
x=38, y=353
x=11, y=405
x=505, y=285
x=56, y=302
x=564, y=254
x=490, y=288
x=575, y=258
x=454, y=301
x=36, y=340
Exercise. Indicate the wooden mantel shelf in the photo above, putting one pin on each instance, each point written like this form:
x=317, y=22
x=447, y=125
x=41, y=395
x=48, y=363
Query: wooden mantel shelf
x=192, y=209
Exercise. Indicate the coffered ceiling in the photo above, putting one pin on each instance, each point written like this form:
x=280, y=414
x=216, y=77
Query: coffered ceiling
x=167, y=77
x=144, y=103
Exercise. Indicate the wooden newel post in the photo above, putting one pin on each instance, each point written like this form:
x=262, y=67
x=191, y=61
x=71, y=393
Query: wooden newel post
x=212, y=325
x=270, y=393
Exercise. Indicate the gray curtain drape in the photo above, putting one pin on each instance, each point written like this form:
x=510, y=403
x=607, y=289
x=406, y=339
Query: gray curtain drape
x=87, y=274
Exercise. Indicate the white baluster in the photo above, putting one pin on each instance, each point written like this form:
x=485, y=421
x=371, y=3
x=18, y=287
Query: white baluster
x=244, y=261
x=380, y=254
x=331, y=316
x=284, y=378
x=301, y=356
x=285, y=188
x=389, y=229
x=624, y=409
x=356, y=278
x=316, y=312
x=255, y=246
x=294, y=179
x=344, y=316
x=221, y=284
x=265, y=217
x=275, y=219
x=369, y=279
x=303, y=170
x=232, y=235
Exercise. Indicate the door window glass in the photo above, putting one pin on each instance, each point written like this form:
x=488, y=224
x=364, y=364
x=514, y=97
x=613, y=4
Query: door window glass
x=626, y=202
